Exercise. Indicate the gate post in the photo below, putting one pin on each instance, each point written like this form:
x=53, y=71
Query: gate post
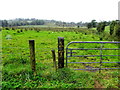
x=60, y=52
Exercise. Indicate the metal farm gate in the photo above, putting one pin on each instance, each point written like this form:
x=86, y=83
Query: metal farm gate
x=69, y=53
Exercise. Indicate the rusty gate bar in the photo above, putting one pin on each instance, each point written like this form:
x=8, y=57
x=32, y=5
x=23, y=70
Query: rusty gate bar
x=101, y=42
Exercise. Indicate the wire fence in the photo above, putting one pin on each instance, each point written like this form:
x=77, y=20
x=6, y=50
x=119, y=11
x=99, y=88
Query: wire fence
x=46, y=54
x=23, y=52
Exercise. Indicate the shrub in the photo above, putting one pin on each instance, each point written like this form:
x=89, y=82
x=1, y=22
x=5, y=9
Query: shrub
x=101, y=27
x=89, y=25
x=117, y=30
x=112, y=25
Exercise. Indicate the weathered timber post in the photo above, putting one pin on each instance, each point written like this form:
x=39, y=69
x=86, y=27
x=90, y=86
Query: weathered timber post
x=54, y=59
x=32, y=55
x=60, y=52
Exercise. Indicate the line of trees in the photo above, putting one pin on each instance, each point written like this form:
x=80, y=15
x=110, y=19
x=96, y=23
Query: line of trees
x=33, y=21
x=21, y=22
x=114, y=27
x=95, y=24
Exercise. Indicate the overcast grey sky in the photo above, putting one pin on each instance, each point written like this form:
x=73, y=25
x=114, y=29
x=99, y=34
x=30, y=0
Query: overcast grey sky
x=64, y=10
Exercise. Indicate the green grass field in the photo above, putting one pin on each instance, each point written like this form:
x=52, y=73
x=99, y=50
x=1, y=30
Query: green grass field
x=17, y=72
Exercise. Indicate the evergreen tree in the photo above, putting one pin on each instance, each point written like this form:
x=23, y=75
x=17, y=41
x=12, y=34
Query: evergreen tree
x=117, y=29
x=89, y=25
x=93, y=23
x=112, y=25
x=101, y=27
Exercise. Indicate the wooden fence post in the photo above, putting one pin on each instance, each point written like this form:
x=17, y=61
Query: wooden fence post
x=60, y=52
x=54, y=59
x=32, y=55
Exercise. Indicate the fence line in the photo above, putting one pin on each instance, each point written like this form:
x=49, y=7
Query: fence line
x=27, y=48
x=61, y=51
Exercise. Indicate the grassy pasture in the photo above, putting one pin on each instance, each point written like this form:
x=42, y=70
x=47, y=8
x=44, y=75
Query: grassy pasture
x=16, y=64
